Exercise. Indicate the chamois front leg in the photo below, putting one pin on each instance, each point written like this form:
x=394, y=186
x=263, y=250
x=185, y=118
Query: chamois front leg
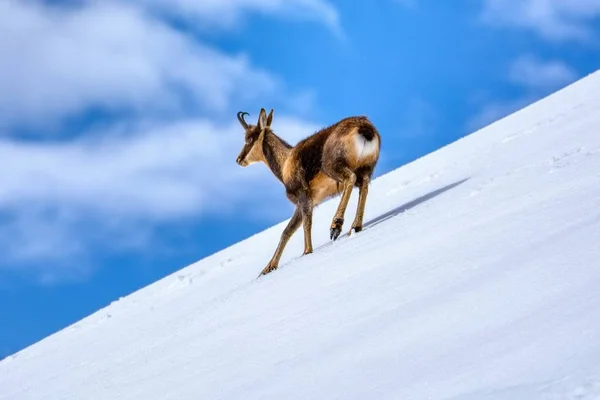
x=306, y=206
x=363, y=191
x=348, y=180
x=289, y=230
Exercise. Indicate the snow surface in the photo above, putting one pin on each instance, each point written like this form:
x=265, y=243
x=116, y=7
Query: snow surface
x=477, y=277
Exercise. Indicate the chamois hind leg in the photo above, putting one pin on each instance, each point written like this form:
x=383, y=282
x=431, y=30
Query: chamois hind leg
x=348, y=179
x=289, y=230
x=363, y=190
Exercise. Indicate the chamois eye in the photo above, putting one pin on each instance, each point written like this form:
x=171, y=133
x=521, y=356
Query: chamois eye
x=249, y=139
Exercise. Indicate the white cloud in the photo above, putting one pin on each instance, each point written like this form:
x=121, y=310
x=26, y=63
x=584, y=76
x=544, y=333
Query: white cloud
x=494, y=110
x=228, y=13
x=55, y=244
x=555, y=20
x=43, y=240
x=166, y=159
x=536, y=77
x=532, y=72
x=57, y=62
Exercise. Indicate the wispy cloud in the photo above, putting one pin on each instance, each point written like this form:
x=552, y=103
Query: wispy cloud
x=532, y=72
x=229, y=14
x=41, y=244
x=535, y=77
x=554, y=20
x=410, y=4
x=163, y=156
x=494, y=110
x=419, y=119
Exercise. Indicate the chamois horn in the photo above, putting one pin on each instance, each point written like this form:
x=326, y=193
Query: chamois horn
x=240, y=116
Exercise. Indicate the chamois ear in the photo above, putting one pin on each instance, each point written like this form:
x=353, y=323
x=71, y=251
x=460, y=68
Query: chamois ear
x=262, y=119
x=270, y=118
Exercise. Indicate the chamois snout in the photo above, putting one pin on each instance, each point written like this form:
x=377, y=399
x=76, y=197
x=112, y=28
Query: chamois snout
x=241, y=158
x=241, y=161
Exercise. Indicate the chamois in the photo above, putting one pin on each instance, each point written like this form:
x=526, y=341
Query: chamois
x=329, y=162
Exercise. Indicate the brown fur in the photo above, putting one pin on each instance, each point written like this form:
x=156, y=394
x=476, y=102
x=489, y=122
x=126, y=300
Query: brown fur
x=331, y=161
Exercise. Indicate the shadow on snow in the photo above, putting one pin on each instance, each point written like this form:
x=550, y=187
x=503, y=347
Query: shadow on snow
x=402, y=208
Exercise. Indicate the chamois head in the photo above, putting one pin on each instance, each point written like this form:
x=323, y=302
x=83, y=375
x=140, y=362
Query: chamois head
x=252, y=150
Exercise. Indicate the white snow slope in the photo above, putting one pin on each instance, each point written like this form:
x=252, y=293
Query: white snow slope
x=477, y=277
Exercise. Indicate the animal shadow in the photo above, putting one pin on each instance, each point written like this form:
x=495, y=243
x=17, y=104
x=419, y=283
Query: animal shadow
x=404, y=207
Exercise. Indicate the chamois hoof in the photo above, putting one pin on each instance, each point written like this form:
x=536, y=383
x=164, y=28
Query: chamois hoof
x=334, y=233
x=336, y=228
x=269, y=268
x=355, y=229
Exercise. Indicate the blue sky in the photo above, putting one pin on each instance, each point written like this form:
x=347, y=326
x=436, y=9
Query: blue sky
x=118, y=134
